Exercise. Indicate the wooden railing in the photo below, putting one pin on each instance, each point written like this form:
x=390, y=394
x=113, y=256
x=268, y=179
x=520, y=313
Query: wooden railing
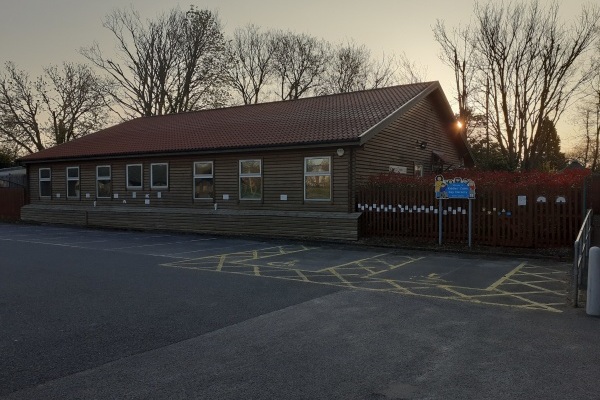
x=524, y=217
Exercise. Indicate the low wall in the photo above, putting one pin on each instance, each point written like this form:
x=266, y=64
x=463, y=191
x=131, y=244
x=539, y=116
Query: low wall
x=312, y=225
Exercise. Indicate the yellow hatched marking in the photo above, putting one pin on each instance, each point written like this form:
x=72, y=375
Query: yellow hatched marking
x=412, y=260
x=337, y=275
x=448, y=288
x=531, y=302
x=506, y=277
x=301, y=275
x=221, y=262
x=357, y=262
x=371, y=267
x=517, y=281
x=536, y=287
x=395, y=285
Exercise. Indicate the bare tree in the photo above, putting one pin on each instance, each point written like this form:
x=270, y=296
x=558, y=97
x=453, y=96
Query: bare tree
x=533, y=63
x=348, y=69
x=299, y=61
x=458, y=52
x=590, y=115
x=171, y=64
x=406, y=71
x=249, y=54
x=59, y=106
x=351, y=67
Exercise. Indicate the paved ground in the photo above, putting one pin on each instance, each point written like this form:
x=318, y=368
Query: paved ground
x=117, y=314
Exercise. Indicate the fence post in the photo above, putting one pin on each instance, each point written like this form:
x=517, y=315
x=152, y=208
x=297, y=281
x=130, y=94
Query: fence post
x=592, y=306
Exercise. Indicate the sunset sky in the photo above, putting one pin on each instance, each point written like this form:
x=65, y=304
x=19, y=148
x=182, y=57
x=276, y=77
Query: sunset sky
x=36, y=33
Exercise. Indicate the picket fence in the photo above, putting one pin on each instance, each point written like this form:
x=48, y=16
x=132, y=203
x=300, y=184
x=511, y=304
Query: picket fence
x=517, y=217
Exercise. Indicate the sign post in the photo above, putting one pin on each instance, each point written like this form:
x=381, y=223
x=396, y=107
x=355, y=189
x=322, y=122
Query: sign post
x=454, y=188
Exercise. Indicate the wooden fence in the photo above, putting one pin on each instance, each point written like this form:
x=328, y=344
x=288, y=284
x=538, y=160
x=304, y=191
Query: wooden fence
x=527, y=217
x=11, y=201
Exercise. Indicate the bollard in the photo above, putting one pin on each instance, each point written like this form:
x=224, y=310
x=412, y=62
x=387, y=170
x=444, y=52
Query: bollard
x=592, y=306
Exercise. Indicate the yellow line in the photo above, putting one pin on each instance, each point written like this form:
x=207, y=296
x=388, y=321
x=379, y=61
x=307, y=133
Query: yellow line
x=525, y=299
x=505, y=277
x=393, y=283
x=395, y=266
x=256, y=271
x=537, y=287
x=464, y=296
x=301, y=275
x=337, y=275
x=221, y=262
x=254, y=254
x=353, y=262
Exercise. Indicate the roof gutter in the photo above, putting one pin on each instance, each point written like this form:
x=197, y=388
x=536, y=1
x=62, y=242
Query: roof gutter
x=192, y=152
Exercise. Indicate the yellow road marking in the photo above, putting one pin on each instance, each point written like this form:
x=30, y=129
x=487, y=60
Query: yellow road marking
x=337, y=275
x=513, y=282
x=448, y=288
x=395, y=284
x=301, y=275
x=221, y=261
x=505, y=277
x=412, y=260
x=352, y=262
x=353, y=275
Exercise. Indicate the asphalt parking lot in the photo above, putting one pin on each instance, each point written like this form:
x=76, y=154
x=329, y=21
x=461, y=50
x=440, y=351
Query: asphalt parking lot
x=122, y=314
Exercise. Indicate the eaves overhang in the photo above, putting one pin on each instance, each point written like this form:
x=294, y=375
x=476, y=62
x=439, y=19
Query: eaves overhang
x=232, y=150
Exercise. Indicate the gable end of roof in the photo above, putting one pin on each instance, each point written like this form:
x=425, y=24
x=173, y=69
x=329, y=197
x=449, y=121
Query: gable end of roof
x=384, y=123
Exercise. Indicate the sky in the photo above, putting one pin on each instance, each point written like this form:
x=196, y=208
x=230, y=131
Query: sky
x=38, y=33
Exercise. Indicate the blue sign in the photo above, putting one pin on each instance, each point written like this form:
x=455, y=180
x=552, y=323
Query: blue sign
x=455, y=188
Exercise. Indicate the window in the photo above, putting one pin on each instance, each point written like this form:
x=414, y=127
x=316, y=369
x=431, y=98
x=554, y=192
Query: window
x=418, y=169
x=134, y=176
x=45, y=182
x=73, y=182
x=250, y=180
x=317, y=178
x=203, y=180
x=159, y=176
x=103, y=181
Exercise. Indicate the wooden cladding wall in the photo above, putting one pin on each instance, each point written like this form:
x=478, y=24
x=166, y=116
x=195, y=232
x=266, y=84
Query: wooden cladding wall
x=397, y=144
x=548, y=218
x=282, y=174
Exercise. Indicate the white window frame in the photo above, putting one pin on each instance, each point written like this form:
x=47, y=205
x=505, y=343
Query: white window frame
x=203, y=176
x=98, y=177
x=140, y=187
x=152, y=185
x=40, y=180
x=70, y=179
x=250, y=175
x=320, y=173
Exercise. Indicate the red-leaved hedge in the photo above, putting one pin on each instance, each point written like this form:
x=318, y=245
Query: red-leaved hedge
x=573, y=178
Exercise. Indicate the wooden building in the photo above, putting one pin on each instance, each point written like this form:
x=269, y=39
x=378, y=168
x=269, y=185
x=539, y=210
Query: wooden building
x=285, y=168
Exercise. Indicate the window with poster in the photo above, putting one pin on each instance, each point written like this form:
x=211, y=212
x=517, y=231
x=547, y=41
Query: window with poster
x=418, y=169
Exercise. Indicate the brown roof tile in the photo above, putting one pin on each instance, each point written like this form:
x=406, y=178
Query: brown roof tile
x=324, y=119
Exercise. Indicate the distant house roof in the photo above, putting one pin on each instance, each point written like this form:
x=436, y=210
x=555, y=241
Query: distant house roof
x=574, y=164
x=340, y=118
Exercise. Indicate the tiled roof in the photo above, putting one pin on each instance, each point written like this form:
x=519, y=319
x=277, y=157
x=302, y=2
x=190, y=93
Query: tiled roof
x=325, y=119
